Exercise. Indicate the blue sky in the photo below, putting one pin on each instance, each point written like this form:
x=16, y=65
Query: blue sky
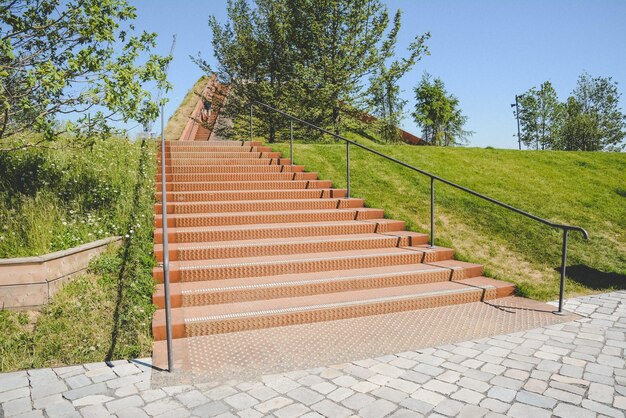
x=484, y=51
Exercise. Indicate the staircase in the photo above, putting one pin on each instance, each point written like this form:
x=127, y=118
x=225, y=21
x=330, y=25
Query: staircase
x=256, y=242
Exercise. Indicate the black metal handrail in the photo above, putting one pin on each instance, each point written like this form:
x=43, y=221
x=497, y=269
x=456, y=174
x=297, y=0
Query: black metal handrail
x=565, y=228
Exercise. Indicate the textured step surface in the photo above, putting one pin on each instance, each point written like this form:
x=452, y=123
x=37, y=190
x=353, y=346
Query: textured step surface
x=256, y=242
x=224, y=318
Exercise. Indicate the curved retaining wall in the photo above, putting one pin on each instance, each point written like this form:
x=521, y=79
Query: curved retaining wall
x=30, y=282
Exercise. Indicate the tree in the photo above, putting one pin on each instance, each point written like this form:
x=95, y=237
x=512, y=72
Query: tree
x=309, y=56
x=384, y=93
x=540, y=116
x=437, y=112
x=63, y=58
x=593, y=120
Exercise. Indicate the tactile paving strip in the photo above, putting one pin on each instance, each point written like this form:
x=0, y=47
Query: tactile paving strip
x=248, y=354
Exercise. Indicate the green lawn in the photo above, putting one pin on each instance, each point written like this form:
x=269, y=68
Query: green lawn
x=578, y=188
x=105, y=314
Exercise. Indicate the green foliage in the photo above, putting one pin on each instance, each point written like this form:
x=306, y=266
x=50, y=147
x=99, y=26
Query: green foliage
x=437, y=112
x=383, y=93
x=311, y=57
x=103, y=315
x=70, y=57
x=589, y=120
x=54, y=199
x=576, y=188
x=540, y=117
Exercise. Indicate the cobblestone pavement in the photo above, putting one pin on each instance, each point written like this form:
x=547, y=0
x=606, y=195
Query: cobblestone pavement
x=574, y=369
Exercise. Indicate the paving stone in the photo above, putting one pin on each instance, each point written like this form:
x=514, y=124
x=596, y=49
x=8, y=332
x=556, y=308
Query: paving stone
x=95, y=389
x=519, y=410
x=241, y=401
x=250, y=413
x=162, y=406
x=502, y=394
x=428, y=370
x=210, y=409
x=345, y=381
x=101, y=374
x=46, y=386
x=570, y=411
x=120, y=404
x=305, y=395
x=296, y=410
x=124, y=391
x=340, y=394
x=564, y=396
x=417, y=405
x=620, y=402
x=358, y=401
x=16, y=407
x=470, y=383
x=378, y=408
x=472, y=411
x=441, y=387
x=220, y=392
x=176, y=413
x=601, y=393
x=192, y=398
x=364, y=387
x=449, y=407
x=78, y=381
x=602, y=409
x=152, y=395
x=282, y=384
x=12, y=381
x=495, y=405
x=405, y=413
x=331, y=409
x=403, y=385
x=95, y=411
x=324, y=387
x=273, y=404
x=91, y=400
x=468, y=396
x=14, y=394
x=390, y=394
x=506, y=382
x=414, y=376
x=387, y=370
x=132, y=412
x=428, y=396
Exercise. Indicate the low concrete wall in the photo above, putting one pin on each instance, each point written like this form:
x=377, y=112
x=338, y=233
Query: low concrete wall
x=30, y=282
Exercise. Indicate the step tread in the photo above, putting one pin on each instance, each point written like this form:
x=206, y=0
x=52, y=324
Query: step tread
x=276, y=225
x=270, y=212
x=280, y=241
x=302, y=278
x=286, y=258
x=367, y=296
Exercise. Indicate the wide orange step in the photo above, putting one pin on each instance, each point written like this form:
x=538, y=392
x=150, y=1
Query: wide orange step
x=220, y=168
x=189, y=190
x=231, y=317
x=193, y=157
x=200, y=144
x=269, y=217
x=258, y=205
x=229, y=268
x=229, y=195
x=294, y=285
x=246, y=232
x=202, y=178
x=293, y=245
x=194, y=150
x=226, y=161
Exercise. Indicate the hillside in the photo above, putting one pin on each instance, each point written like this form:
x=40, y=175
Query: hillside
x=176, y=123
x=585, y=189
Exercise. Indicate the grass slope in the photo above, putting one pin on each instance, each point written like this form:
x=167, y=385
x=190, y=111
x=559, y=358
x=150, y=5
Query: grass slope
x=584, y=189
x=105, y=314
x=178, y=120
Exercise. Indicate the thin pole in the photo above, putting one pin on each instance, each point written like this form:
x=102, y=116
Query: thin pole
x=166, y=255
x=563, y=266
x=348, y=169
x=250, y=122
x=432, y=212
x=291, y=141
x=519, y=138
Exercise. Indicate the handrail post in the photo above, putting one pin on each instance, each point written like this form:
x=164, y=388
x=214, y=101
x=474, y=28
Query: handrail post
x=563, y=266
x=166, y=255
x=348, y=169
x=291, y=141
x=432, y=212
x=250, y=121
